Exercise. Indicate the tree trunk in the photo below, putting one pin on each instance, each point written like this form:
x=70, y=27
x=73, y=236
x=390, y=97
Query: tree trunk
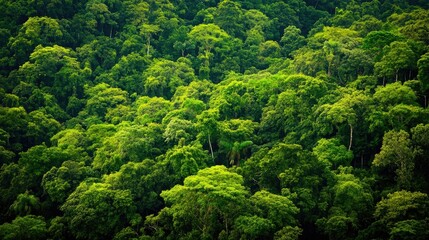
x=211, y=148
x=148, y=45
x=396, y=79
x=351, y=137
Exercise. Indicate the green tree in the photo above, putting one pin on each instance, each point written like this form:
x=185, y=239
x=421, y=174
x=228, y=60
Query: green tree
x=187, y=160
x=25, y=204
x=95, y=210
x=202, y=206
x=291, y=40
x=145, y=180
x=208, y=127
x=207, y=36
x=398, y=56
x=152, y=109
x=423, y=69
x=60, y=182
x=102, y=97
x=403, y=213
x=348, y=111
x=235, y=138
x=126, y=73
x=148, y=30
x=35, y=31
x=163, y=77
x=179, y=130
x=27, y=227
x=229, y=17
x=41, y=127
x=331, y=152
x=130, y=143
x=398, y=153
x=351, y=199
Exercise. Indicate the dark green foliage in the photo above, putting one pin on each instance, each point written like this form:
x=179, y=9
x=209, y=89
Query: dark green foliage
x=215, y=119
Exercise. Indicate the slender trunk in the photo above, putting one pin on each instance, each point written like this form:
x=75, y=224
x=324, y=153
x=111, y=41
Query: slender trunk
x=351, y=137
x=396, y=79
x=211, y=148
x=329, y=69
x=111, y=31
x=409, y=75
x=148, y=45
x=361, y=160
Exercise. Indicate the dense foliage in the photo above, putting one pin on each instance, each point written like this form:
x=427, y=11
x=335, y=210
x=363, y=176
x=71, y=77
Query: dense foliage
x=233, y=119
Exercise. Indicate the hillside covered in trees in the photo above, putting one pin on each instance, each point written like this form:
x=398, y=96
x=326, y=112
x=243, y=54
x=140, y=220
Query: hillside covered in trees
x=233, y=119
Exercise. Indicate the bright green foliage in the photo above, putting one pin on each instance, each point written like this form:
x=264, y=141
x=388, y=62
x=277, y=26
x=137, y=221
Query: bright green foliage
x=205, y=206
x=398, y=56
x=235, y=137
x=151, y=110
x=375, y=42
x=399, y=204
x=187, y=160
x=397, y=153
x=207, y=36
x=56, y=67
x=331, y=152
x=179, y=129
x=13, y=122
x=284, y=114
x=278, y=159
x=231, y=119
x=126, y=74
x=291, y=40
x=94, y=210
x=145, y=180
x=131, y=143
x=253, y=227
x=41, y=126
x=278, y=209
x=27, y=227
x=60, y=182
x=35, y=31
x=275, y=213
x=412, y=24
x=350, y=199
x=163, y=77
x=394, y=94
x=25, y=204
x=97, y=133
x=102, y=97
x=229, y=17
x=410, y=229
x=39, y=159
x=423, y=66
x=346, y=112
x=329, y=49
x=69, y=138
x=208, y=127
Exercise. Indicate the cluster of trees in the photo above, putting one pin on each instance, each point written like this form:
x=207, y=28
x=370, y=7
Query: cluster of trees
x=232, y=119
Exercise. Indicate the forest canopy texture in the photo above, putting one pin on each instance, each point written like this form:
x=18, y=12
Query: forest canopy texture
x=233, y=119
